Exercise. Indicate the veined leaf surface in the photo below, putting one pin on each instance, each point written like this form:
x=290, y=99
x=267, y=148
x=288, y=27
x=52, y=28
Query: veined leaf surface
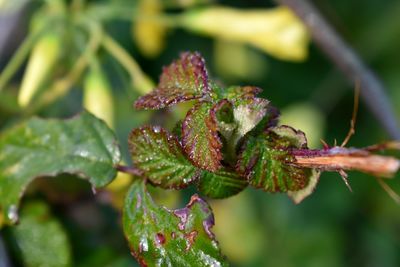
x=161, y=237
x=83, y=145
x=183, y=80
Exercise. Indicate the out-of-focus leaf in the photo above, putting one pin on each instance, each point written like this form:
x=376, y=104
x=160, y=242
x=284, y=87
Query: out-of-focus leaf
x=160, y=156
x=221, y=184
x=40, y=239
x=265, y=160
x=235, y=61
x=149, y=34
x=276, y=31
x=97, y=95
x=200, y=137
x=306, y=117
x=183, y=80
x=83, y=145
x=158, y=236
x=241, y=233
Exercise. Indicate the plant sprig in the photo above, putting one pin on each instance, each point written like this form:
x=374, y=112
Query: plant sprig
x=230, y=132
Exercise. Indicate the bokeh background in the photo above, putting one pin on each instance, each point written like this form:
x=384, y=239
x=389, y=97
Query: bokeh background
x=333, y=227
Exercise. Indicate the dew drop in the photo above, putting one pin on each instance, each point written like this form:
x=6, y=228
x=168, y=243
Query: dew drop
x=94, y=190
x=160, y=239
x=143, y=245
x=12, y=214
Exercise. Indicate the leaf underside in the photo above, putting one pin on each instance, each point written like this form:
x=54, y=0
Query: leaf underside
x=200, y=138
x=160, y=237
x=265, y=160
x=160, y=157
x=83, y=145
x=221, y=184
x=183, y=80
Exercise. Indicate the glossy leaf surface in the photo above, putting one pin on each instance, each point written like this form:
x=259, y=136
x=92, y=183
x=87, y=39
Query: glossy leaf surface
x=160, y=157
x=200, y=137
x=221, y=184
x=183, y=80
x=83, y=145
x=161, y=237
x=40, y=239
x=265, y=160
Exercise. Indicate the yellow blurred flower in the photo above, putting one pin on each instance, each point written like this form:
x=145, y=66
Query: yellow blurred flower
x=148, y=33
x=275, y=31
x=43, y=58
x=97, y=95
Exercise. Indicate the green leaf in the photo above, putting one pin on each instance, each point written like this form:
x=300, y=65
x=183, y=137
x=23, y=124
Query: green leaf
x=221, y=184
x=265, y=160
x=83, y=145
x=236, y=93
x=160, y=156
x=200, y=138
x=183, y=80
x=161, y=237
x=39, y=238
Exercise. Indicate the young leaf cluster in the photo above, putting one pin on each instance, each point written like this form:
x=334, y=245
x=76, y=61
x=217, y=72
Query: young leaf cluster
x=228, y=139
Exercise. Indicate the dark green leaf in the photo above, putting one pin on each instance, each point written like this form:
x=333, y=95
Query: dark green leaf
x=221, y=184
x=160, y=156
x=160, y=237
x=83, y=145
x=39, y=238
x=183, y=80
x=200, y=137
x=265, y=160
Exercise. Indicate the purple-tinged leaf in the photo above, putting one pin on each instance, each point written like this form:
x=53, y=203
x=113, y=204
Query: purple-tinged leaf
x=161, y=237
x=265, y=160
x=183, y=80
x=299, y=196
x=200, y=138
x=160, y=157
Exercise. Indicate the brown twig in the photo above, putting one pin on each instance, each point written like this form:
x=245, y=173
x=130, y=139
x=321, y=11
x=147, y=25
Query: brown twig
x=372, y=90
x=129, y=170
x=340, y=158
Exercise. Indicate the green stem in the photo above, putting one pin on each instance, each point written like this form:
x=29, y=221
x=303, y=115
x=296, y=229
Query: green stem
x=141, y=82
x=18, y=58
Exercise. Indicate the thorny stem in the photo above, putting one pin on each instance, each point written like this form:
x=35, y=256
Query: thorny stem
x=341, y=158
x=348, y=62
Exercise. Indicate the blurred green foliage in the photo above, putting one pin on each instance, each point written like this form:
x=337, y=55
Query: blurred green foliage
x=333, y=227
